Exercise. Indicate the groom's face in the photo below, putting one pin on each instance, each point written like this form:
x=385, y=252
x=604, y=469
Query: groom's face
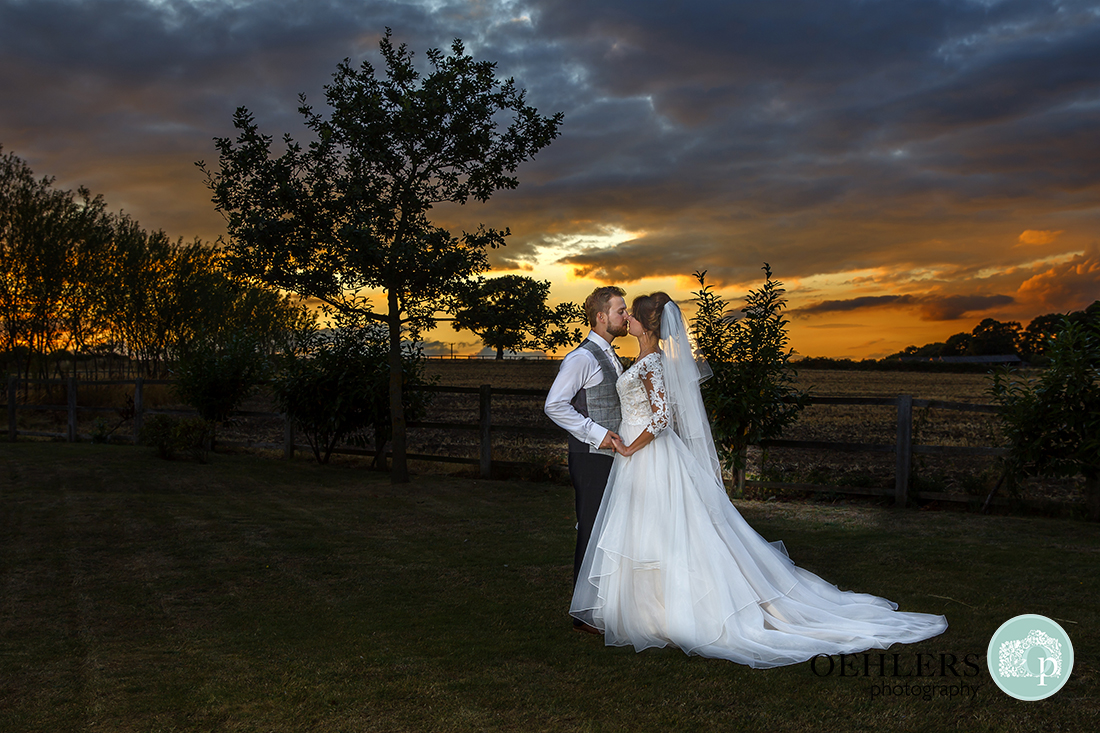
x=617, y=317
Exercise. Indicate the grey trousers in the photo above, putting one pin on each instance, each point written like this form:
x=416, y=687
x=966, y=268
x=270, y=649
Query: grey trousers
x=589, y=472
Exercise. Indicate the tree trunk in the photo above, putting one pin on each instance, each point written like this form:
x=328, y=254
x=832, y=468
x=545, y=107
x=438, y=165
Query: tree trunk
x=500, y=353
x=379, y=462
x=739, y=477
x=400, y=471
x=1092, y=496
x=736, y=487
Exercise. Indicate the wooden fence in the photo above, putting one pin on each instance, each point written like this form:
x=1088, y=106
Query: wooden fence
x=903, y=447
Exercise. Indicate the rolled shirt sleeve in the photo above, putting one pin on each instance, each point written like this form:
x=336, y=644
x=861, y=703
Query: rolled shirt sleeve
x=579, y=369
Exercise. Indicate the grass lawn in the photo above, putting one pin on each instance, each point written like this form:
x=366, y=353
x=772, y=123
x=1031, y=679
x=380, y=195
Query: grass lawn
x=254, y=594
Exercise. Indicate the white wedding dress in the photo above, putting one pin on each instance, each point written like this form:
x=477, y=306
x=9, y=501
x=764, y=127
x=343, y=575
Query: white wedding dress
x=671, y=562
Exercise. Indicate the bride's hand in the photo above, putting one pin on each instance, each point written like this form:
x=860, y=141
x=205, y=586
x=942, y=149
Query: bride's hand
x=619, y=447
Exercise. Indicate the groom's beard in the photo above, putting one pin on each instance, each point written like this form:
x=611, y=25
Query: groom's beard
x=621, y=331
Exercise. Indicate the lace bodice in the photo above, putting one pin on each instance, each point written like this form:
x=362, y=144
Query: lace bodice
x=641, y=391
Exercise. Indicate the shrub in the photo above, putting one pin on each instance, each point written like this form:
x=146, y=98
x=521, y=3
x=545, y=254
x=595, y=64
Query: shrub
x=215, y=379
x=751, y=396
x=156, y=432
x=169, y=436
x=335, y=386
x=193, y=436
x=101, y=430
x=1052, y=423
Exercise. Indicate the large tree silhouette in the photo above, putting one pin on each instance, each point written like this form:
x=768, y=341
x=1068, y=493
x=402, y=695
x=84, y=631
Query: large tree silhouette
x=349, y=214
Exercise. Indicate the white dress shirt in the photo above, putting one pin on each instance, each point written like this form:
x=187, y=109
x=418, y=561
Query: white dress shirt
x=579, y=370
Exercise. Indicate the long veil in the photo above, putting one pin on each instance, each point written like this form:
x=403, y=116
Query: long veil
x=684, y=370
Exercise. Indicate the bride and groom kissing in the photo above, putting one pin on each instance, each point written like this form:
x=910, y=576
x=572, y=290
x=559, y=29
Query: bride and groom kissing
x=663, y=558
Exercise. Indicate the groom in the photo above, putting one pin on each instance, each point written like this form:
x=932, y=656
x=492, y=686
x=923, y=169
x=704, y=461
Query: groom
x=584, y=402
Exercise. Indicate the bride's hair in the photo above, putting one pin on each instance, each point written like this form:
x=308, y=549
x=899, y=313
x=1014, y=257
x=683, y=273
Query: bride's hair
x=647, y=310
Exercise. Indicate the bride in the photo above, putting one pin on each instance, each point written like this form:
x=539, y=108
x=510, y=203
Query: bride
x=671, y=562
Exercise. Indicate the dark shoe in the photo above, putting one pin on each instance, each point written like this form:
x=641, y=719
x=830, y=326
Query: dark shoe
x=586, y=628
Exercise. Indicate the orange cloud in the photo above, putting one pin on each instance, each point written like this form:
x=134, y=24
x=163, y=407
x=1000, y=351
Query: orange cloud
x=1039, y=236
x=1066, y=286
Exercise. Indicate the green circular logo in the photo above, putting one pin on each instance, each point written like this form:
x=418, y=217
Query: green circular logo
x=1030, y=657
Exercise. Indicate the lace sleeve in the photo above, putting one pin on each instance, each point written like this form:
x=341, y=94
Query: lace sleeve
x=652, y=377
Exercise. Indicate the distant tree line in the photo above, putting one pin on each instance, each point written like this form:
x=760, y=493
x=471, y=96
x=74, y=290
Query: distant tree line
x=995, y=338
x=989, y=338
x=79, y=281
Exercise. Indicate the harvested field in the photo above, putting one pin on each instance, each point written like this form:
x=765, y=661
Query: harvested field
x=539, y=374
x=971, y=477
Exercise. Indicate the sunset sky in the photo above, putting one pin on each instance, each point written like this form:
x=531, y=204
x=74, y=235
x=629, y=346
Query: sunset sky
x=907, y=168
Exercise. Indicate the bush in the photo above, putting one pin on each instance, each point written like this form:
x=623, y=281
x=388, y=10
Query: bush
x=101, y=430
x=215, y=379
x=170, y=436
x=335, y=386
x=157, y=433
x=1052, y=423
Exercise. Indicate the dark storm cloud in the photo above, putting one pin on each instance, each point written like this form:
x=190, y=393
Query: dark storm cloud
x=954, y=307
x=832, y=135
x=819, y=136
x=853, y=304
x=930, y=307
x=124, y=95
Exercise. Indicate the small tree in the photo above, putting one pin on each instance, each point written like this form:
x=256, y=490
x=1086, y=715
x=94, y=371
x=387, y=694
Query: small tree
x=509, y=313
x=351, y=213
x=1051, y=423
x=334, y=386
x=751, y=396
x=215, y=378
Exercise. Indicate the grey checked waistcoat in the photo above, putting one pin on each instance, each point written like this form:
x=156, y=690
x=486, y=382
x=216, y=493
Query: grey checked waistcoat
x=601, y=403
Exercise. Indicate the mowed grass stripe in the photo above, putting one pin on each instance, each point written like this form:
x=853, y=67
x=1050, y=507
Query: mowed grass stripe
x=256, y=594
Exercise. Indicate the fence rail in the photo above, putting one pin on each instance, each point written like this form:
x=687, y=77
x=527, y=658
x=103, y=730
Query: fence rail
x=903, y=447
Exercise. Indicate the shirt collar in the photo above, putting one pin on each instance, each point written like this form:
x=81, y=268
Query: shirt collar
x=600, y=341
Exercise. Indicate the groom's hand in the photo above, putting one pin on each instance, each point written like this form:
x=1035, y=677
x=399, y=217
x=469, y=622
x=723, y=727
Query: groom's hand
x=609, y=441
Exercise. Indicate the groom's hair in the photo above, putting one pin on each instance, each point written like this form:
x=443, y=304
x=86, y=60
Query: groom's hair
x=598, y=300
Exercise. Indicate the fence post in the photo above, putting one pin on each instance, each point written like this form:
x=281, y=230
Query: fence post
x=13, y=388
x=904, y=449
x=288, y=438
x=139, y=408
x=72, y=410
x=486, y=430
x=739, y=474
